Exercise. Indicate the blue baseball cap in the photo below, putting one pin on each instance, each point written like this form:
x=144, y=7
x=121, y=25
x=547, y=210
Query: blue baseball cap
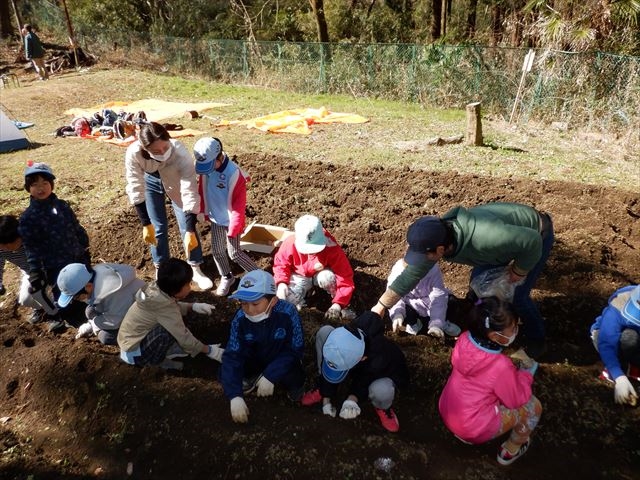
x=71, y=279
x=342, y=351
x=423, y=236
x=255, y=285
x=206, y=150
x=631, y=309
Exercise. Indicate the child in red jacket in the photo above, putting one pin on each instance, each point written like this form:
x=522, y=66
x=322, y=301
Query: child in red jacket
x=312, y=257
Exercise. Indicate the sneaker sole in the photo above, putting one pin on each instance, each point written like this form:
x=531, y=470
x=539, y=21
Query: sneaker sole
x=523, y=449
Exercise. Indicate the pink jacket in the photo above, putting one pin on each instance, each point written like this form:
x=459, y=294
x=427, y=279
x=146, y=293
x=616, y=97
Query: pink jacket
x=288, y=260
x=480, y=382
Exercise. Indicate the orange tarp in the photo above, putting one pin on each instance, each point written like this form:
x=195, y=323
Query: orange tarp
x=295, y=121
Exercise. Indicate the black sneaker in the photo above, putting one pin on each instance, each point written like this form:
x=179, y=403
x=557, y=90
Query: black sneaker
x=295, y=394
x=55, y=324
x=249, y=384
x=36, y=316
x=175, y=351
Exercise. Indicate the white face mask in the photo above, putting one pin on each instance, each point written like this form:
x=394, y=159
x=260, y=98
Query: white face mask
x=164, y=157
x=260, y=316
x=510, y=339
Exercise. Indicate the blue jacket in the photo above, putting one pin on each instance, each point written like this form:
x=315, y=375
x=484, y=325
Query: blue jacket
x=611, y=323
x=274, y=346
x=52, y=236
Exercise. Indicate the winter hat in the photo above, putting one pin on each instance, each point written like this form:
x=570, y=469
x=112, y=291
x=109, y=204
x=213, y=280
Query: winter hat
x=71, y=279
x=39, y=169
x=255, y=285
x=342, y=351
x=631, y=309
x=309, y=235
x=424, y=235
x=206, y=150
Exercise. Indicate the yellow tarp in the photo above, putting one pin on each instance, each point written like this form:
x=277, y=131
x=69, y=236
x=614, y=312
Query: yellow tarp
x=156, y=110
x=295, y=121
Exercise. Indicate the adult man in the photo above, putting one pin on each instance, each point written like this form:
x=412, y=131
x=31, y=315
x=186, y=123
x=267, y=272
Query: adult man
x=34, y=51
x=485, y=236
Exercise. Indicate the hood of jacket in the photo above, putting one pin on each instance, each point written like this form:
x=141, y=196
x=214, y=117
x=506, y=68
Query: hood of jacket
x=150, y=297
x=471, y=359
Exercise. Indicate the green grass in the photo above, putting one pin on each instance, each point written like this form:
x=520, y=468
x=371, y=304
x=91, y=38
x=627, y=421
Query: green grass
x=94, y=172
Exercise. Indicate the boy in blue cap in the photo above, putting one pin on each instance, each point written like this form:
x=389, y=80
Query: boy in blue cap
x=616, y=336
x=265, y=346
x=51, y=234
x=109, y=289
x=374, y=363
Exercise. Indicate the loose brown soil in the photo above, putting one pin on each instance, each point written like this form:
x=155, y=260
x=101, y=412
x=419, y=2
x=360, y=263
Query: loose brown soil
x=76, y=411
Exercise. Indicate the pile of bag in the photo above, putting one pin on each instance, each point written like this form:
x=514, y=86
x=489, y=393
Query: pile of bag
x=105, y=123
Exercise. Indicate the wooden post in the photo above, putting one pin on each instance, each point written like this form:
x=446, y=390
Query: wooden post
x=16, y=14
x=72, y=37
x=474, y=125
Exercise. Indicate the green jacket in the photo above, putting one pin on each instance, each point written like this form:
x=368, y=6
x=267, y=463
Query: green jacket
x=491, y=234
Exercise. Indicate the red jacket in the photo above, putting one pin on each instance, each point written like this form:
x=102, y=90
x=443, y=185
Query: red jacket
x=288, y=260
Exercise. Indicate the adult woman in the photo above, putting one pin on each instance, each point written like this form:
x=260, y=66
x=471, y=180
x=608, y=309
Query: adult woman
x=157, y=165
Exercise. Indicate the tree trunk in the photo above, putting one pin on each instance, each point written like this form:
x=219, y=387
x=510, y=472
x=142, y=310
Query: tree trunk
x=321, y=21
x=496, y=25
x=444, y=15
x=472, y=8
x=5, y=19
x=436, y=18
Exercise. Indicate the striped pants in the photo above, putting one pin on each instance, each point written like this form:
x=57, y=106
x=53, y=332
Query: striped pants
x=221, y=245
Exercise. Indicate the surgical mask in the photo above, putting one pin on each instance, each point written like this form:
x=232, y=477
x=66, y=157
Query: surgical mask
x=260, y=316
x=510, y=338
x=164, y=157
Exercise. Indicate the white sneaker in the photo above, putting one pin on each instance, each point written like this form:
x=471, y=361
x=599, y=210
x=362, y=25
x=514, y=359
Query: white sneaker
x=415, y=328
x=224, y=286
x=203, y=282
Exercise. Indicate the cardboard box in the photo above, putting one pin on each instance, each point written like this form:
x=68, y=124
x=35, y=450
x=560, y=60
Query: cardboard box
x=262, y=238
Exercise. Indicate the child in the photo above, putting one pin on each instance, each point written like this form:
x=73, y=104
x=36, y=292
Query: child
x=616, y=336
x=375, y=364
x=312, y=257
x=12, y=250
x=51, y=235
x=109, y=289
x=156, y=167
x=427, y=301
x=486, y=395
x=153, y=331
x=223, y=194
x=265, y=345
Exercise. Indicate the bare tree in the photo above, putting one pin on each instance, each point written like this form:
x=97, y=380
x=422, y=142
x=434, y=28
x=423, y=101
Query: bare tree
x=321, y=22
x=436, y=20
x=470, y=30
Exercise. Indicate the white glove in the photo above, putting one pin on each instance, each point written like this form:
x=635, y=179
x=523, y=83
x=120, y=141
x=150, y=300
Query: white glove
x=265, y=387
x=333, y=313
x=283, y=291
x=329, y=409
x=239, y=410
x=203, y=308
x=397, y=323
x=624, y=392
x=435, y=332
x=84, y=330
x=215, y=352
x=349, y=410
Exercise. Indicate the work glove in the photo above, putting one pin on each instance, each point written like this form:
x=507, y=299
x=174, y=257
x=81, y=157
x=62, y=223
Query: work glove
x=2, y=290
x=203, y=308
x=215, y=352
x=436, y=332
x=283, y=291
x=397, y=323
x=624, y=392
x=149, y=235
x=84, y=330
x=349, y=410
x=37, y=280
x=239, y=410
x=265, y=387
x=532, y=368
x=524, y=361
x=190, y=242
x=333, y=313
x=328, y=409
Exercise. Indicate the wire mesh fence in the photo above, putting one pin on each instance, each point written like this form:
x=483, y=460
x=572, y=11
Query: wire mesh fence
x=596, y=90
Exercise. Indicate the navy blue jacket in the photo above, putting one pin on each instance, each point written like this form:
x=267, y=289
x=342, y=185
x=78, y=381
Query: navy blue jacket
x=52, y=236
x=272, y=346
x=384, y=359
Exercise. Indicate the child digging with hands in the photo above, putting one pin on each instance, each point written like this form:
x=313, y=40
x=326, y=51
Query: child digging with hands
x=486, y=394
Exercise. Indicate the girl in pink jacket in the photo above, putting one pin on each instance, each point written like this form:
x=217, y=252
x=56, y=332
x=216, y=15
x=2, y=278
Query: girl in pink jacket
x=486, y=395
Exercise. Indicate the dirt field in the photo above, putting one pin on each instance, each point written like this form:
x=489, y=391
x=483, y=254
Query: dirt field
x=71, y=409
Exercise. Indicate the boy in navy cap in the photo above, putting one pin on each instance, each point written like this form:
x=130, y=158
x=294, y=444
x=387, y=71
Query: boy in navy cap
x=265, y=346
x=51, y=234
x=374, y=363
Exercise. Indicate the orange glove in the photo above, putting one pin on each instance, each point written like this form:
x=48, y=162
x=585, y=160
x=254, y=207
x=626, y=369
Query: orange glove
x=149, y=235
x=190, y=242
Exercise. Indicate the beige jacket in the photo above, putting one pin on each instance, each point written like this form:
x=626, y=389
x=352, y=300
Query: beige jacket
x=153, y=307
